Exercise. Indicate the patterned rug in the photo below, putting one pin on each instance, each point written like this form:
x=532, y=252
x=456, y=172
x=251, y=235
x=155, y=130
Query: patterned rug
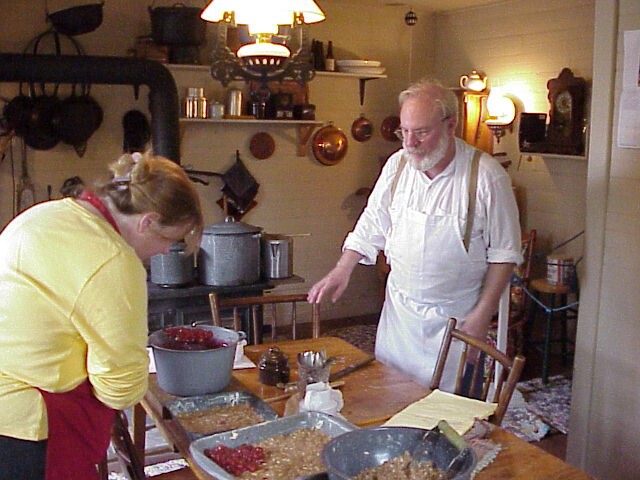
x=362, y=336
x=537, y=409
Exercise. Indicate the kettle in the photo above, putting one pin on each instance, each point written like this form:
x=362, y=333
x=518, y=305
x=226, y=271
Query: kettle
x=475, y=81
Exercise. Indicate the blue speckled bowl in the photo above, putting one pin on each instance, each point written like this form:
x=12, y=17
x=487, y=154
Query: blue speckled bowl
x=347, y=455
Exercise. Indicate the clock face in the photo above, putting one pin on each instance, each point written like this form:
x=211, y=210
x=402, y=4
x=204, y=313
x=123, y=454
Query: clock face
x=564, y=104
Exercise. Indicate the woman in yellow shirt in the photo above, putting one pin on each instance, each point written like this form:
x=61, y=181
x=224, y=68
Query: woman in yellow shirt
x=73, y=313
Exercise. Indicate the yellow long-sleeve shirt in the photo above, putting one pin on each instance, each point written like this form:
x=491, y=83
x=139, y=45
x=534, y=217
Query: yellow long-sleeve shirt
x=73, y=304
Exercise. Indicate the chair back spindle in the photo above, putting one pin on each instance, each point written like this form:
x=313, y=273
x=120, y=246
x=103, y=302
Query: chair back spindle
x=475, y=376
x=257, y=306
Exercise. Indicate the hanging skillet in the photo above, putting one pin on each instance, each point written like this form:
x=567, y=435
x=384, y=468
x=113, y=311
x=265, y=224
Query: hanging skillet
x=329, y=145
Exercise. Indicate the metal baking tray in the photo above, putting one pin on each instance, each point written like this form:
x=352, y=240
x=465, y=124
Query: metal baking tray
x=204, y=402
x=330, y=425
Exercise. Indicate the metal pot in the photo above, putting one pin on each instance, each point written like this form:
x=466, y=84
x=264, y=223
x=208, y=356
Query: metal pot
x=173, y=269
x=177, y=25
x=277, y=256
x=229, y=254
x=195, y=372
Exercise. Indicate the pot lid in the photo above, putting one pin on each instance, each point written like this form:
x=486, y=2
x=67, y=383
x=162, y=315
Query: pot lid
x=230, y=226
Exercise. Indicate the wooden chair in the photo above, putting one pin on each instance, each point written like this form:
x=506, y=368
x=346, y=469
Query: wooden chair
x=483, y=373
x=258, y=307
x=128, y=456
x=519, y=301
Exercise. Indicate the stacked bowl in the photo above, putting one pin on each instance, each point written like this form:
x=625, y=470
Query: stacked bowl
x=361, y=67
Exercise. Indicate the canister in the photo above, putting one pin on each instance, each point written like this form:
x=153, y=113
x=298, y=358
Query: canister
x=234, y=102
x=560, y=270
x=216, y=110
x=277, y=256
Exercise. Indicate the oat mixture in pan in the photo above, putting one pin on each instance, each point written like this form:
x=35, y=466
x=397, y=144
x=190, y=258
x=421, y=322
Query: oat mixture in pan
x=220, y=418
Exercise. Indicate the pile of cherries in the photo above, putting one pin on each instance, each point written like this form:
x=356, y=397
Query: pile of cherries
x=187, y=338
x=236, y=461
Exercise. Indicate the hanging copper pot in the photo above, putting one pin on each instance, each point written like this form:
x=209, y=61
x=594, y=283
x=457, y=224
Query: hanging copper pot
x=329, y=145
x=362, y=129
x=389, y=127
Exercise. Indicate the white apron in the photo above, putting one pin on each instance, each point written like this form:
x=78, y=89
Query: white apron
x=432, y=278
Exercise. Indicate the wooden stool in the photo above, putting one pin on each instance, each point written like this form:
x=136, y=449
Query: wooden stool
x=557, y=295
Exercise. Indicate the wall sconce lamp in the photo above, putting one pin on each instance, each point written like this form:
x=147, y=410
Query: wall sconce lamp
x=501, y=113
x=278, y=27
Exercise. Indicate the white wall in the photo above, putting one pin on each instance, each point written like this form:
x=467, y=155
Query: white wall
x=605, y=408
x=520, y=45
x=297, y=194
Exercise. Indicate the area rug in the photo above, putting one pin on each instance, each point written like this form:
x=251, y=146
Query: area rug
x=551, y=401
x=361, y=336
x=537, y=409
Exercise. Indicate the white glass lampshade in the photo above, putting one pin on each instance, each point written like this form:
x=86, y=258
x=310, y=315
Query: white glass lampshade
x=502, y=110
x=260, y=49
x=269, y=12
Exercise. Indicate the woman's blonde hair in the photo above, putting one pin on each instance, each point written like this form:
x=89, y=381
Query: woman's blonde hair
x=140, y=183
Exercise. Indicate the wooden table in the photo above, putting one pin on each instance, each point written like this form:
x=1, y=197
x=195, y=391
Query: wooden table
x=371, y=394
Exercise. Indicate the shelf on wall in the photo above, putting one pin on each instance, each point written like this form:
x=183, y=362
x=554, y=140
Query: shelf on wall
x=320, y=73
x=363, y=79
x=555, y=156
x=304, y=128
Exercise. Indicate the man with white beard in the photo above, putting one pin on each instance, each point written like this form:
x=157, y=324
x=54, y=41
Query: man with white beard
x=417, y=214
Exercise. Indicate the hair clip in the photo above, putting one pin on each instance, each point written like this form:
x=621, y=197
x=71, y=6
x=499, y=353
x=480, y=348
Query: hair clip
x=121, y=183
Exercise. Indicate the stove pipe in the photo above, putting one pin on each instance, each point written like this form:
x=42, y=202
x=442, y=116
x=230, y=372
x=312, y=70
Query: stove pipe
x=163, y=95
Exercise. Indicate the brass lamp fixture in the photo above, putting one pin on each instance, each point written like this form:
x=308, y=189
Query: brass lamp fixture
x=501, y=113
x=270, y=57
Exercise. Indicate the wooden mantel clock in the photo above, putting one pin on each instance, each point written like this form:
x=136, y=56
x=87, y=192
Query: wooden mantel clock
x=567, y=96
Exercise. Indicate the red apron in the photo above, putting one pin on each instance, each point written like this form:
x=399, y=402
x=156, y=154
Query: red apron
x=79, y=433
x=79, y=424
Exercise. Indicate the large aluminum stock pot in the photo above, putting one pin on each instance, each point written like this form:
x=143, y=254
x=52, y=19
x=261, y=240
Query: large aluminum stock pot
x=229, y=254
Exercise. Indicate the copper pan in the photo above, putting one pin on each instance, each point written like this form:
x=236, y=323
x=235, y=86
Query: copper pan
x=362, y=129
x=388, y=128
x=329, y=145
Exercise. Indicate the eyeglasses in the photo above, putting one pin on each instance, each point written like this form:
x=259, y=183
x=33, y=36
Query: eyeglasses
x=420, y=134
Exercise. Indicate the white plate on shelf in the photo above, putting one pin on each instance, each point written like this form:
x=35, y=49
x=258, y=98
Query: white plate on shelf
x=358, y=63
x=363, y=70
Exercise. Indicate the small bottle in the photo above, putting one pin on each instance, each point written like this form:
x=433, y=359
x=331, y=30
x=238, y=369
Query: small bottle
x=330, y=61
